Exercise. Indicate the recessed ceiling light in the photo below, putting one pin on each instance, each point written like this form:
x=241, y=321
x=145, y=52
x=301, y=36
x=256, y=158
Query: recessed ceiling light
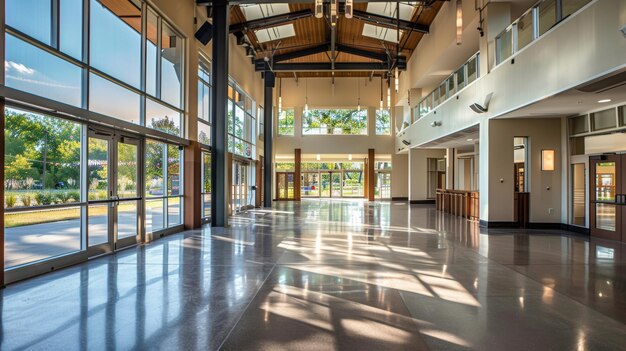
x=604, y=101
x=470, y=139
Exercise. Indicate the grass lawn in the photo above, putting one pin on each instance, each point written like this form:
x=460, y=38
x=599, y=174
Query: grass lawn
x=20, y=219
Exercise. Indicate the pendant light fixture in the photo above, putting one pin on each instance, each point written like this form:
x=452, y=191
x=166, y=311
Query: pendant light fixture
x=348, y=8
x=306, y=97
x=397, y=81
x=280, y=96
x=358, y=89
x=319, y=8
x=459, y=22
x=388, y=92
x=381, y=93
x=334, y=8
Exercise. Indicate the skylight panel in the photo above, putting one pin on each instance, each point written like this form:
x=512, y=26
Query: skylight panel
x=388, y=9
x=275, y=33
x=257, y=11
x=381, y=33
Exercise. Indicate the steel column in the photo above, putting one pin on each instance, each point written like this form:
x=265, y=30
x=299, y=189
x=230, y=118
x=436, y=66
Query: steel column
x=268, y=123
x=219, y=79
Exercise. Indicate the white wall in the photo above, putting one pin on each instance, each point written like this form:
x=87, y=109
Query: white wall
x=584, y=46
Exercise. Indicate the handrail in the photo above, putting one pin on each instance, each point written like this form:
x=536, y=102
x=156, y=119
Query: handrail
x=509, y=41
x=454, y=83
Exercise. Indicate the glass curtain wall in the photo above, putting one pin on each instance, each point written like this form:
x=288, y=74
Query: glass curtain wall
x=206, y=185
x=204, y=101
x=241, y=122
x=335, y=179
x=42, y=201
x=164, y=191
x=45, y=56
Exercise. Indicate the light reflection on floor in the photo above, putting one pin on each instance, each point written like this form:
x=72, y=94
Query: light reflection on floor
x=332, y=275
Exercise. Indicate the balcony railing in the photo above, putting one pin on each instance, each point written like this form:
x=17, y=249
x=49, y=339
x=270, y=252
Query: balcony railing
x=534, y=23
x=458, y=80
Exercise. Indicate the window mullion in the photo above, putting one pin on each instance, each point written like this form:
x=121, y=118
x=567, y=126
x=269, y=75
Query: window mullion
x=55, y=24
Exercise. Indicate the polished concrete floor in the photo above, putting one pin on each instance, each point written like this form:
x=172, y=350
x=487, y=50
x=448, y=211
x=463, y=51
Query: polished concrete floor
x=332, y=274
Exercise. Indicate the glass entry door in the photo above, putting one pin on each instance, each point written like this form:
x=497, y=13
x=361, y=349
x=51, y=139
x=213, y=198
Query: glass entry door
x=113, y=193
x=335, y=186
x=383, y=185
x=607, y=198
x=285, y=185
x=325, y=184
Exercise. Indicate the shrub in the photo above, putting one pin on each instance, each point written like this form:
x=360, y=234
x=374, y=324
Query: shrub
x=63, y=197
x=27, y=199
x=44, y=198
x=74, y=196
x=10, y=200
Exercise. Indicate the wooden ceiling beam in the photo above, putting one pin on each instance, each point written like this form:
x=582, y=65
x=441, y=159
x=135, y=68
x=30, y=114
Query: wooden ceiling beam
x=271, y=21
x=325, y=66
x=389, y=22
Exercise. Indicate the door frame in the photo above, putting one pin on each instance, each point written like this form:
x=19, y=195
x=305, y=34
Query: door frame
x=113, y=243
x=594, y=231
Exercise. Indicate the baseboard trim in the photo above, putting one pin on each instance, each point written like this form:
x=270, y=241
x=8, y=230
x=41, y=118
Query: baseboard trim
x=494, y=224
x=400, y=198
x=422, y=202
x=550, y=226
x=545, y=226
x=576, y=229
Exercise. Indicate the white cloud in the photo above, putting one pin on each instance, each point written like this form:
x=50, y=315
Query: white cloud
x=10, y=65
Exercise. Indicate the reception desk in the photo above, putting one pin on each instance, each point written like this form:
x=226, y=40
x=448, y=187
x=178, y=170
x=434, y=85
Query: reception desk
x=459, y=203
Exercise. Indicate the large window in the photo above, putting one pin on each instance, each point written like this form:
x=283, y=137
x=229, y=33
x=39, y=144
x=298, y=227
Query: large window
x=33, y=70
x=241, y=122
x=383, y=122
x=204, y=102
x=42, y=198
x=334, y=122
x=163, y=185
x=286, y=122
x=206, y=184
x=44, y=56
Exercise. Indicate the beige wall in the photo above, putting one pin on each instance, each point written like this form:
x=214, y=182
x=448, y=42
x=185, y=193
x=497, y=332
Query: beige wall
x=418, y=171
x=543, y=133
x=400, y=176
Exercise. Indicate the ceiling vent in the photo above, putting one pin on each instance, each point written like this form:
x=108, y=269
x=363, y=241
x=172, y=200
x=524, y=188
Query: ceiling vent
x=603, y=84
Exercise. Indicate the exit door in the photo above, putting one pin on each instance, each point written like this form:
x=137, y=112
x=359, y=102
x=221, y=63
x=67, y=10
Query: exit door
x=114, y=200
x=607, y=197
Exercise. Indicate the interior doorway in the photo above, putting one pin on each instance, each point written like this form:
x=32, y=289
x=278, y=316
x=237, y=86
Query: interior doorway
x=607, y=205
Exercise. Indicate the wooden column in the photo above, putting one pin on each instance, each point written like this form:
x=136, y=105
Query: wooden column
x=193, y=182
x=297, y=196
x=371, y=174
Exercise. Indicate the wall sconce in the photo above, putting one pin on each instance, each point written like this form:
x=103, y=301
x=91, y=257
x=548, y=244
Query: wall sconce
x=547, y=160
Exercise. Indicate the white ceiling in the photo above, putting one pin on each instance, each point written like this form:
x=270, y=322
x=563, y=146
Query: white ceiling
x=571, y=103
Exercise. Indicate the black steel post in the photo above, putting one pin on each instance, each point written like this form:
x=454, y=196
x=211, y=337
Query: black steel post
x=268, y=122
